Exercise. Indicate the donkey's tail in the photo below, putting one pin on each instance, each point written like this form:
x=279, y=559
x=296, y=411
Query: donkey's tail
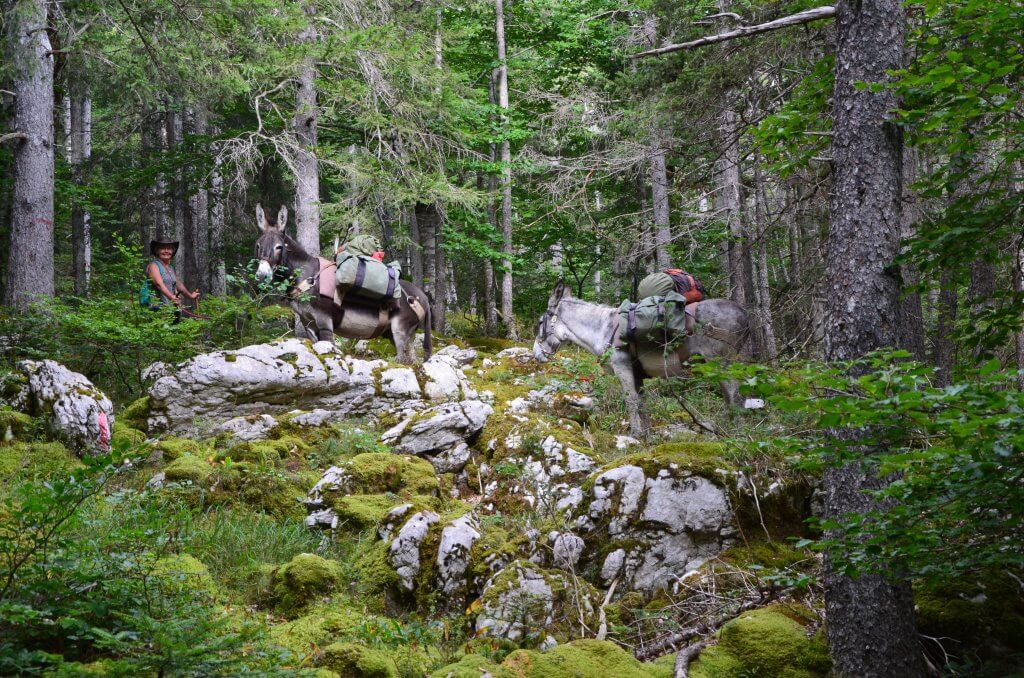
x=428, y=322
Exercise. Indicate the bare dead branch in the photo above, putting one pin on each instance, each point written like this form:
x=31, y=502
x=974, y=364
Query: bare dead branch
x=807, y=16
x=10, y=136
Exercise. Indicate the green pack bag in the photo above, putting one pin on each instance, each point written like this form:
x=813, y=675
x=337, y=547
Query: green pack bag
x=363, y=276
x=363, y=245
x=658, y=319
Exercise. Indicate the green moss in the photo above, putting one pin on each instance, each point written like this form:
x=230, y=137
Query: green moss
x=765, y=642
x=25, y=460
x=490, y=344
x=581, y=659
x=380, y=472
x=374, y=574
x=364, y=511
x=770, y=555
x=136, y=414
x=186, y=573
x=357, y=661
x=173, y=448
x=13, y=424
x=255, y=452
x=318, y=627
x=188, y=468
x=302, y=580
x=473, y=666
x=128, y=437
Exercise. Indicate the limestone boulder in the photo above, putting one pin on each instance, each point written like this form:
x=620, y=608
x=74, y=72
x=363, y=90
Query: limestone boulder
x=275, y=378
x=74, y=409
x=440, y=433
x=668, y=516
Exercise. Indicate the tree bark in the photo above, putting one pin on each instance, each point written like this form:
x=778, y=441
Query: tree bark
x=871, y=627
x=415, y=248
x=177, y=202
x=196, y=240
x=307, y=171
x=218, y=267
x=490, y=304
x=81, y=151
x=659, y=198
x=441, y=279
x=30, y=255
x=763, y=293
x=729, y=199
x=944, y=345
x=911, y=315
x=507, y=307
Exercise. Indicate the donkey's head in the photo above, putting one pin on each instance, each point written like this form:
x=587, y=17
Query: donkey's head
x=272, y=247
x=551, y=332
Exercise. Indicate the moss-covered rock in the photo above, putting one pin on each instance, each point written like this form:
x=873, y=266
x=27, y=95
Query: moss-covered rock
x=185, y=573
x=708, y=460
x=305, y=578
x=267, y=489
x=26, y=460
x=136, y=414
x=188, y=468
x=586, y=658
x=375, y=576
x=376, y=473
x=127, y=437
x=172, y=448
x=765, y=642
x=318, y=627
x=365, y=511
x=13, y=424
x=357, y=661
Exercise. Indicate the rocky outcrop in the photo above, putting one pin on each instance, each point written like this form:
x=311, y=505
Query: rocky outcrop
x=524, y=600
x=74, y=409
x=669, y=517
x=404, y=553
x=271, y=379
x=440, y=433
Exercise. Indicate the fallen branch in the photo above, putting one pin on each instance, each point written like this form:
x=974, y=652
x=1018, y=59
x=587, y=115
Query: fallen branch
x=685, y=656
x=805, y=17
x=666, y=645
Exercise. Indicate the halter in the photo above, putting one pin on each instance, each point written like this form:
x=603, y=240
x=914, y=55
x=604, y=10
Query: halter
x=547, y=319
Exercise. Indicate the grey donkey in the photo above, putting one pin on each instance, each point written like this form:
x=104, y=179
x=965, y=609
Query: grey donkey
x=281, y=258
x=722, y=330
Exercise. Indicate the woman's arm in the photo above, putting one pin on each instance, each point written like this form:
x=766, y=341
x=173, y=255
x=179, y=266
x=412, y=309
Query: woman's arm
x=158, y=283
x=184, y=290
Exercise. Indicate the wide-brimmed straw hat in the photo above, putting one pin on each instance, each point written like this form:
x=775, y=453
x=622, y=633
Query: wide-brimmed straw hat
x=154, y=244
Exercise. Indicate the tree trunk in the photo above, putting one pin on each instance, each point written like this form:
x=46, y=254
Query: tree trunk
x=945, y=346
x=307, y=176
x=728, y=201
x=218, y=267
x=441, y=279
x=153, y=223
x=178, y=206
x=659, y=197
x=490, y=304
x=81, y=151
x=762, y=291
x=507, y=308
x=911, y=316
x=871, y=627
x=196, y=240
x=426, y=219
x=415, y=248
x=30, y=255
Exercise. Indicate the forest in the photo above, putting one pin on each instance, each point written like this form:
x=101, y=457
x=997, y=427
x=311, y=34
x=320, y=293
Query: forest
x=212, y=466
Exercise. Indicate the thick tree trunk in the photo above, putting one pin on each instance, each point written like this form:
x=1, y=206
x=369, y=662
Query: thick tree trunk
x=218, y=267
x=871, y=627
x=440, y=317
x=306, y=167
x=427, y=220
x=944, y=344
x=30, y=255
x=659, y=197
x=153, y=223
x=507, y=307
x=81, y=151
x=196, y=238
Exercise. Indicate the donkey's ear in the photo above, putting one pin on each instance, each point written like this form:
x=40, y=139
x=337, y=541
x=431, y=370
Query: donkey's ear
x=261, y=218
x=282, y=218
x=557, y=294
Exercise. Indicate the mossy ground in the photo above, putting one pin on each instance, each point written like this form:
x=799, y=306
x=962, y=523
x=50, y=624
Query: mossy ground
x=34, y=460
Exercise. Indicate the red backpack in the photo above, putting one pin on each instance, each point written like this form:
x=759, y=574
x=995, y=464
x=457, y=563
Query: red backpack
x=686, y=285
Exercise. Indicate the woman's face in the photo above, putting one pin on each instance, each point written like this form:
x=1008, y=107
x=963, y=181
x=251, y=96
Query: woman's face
x=165, y=252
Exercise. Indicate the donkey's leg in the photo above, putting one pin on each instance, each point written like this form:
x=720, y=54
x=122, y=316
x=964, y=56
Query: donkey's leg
x=402, y=336
x=622, y=365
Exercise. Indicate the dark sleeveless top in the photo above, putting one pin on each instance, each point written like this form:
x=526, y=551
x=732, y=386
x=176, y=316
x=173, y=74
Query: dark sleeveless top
x=170, y=280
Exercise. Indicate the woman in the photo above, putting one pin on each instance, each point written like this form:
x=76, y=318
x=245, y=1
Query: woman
x=162, y=277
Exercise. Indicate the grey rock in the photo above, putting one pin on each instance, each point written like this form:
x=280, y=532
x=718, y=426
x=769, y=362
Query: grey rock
x=73, y=408
x=255, y=427
x=464, y=356
x=566, y=549
x=452, y=460
x=457, y=539
x=439, y=430
x=404, y=553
